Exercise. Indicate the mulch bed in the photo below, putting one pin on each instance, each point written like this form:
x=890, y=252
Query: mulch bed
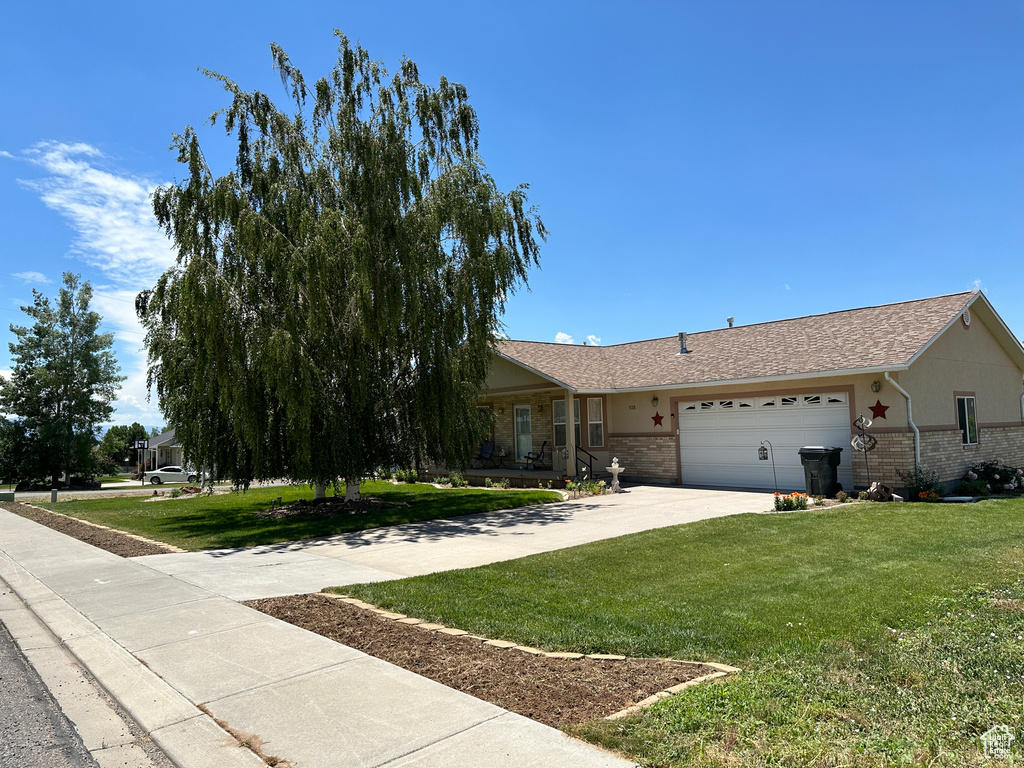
x=329, y=507
x=104, y=538
x=553, y=691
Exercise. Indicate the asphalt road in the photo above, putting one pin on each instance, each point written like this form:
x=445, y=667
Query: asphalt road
x=34, y=733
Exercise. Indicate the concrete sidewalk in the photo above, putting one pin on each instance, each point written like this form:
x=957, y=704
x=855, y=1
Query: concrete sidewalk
x=439, y=545
x=161, y=647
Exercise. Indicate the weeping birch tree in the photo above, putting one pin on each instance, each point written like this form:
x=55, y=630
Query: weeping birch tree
x=337, y=291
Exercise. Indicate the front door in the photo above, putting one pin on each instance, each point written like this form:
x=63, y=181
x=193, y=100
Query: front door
x=524, y=435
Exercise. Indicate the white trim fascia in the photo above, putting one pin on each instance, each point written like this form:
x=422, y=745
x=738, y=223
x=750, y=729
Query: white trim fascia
x=753, y=380
x=945, y=328
x=553, y=380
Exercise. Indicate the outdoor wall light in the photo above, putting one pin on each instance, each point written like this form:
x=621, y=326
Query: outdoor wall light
x=876, y=385
x=501, y=410
x=654, y=402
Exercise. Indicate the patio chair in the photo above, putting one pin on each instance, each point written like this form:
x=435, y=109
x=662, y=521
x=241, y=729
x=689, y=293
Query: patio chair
x=536, y=460
x=486, y=455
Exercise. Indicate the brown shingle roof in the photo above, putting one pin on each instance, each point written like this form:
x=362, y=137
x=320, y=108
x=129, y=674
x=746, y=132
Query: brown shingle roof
x=872, y=337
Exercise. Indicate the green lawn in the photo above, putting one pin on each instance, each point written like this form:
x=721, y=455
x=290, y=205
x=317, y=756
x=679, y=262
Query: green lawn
x=867, y=633
x=211, y=522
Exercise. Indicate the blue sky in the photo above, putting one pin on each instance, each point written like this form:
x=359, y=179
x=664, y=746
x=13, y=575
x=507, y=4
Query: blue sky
x=692, y=160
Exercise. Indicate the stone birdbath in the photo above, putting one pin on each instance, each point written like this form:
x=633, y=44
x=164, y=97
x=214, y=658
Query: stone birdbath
x=615, y=469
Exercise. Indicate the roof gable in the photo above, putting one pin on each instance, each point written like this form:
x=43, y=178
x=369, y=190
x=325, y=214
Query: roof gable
x=886, y=337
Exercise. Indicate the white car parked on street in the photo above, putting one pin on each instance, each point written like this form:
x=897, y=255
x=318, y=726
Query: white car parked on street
x=170, y=475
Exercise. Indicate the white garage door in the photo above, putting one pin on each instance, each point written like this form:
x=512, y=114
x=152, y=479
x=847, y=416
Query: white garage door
x=718, y=439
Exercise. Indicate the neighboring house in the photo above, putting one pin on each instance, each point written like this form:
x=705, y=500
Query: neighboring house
x=164, y=451
x=940, y=377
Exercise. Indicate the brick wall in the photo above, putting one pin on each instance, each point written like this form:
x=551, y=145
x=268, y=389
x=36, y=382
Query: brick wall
x=946, y=454
x=646, y=459
x=893, y=451
x=941, y=451
x=540, y=420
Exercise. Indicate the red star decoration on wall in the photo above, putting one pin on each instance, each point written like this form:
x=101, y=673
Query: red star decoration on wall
x=878, y=410
x=657, y=419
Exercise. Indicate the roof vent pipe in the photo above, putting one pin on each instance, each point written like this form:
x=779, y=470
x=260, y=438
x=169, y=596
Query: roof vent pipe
x=682, y=343
x=730, y=321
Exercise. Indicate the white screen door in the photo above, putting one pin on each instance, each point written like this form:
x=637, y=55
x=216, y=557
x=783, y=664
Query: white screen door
x=524, y=436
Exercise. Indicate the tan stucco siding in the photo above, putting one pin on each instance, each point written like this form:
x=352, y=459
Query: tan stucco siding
x=632, y=413
x=964, y=360
x=506, y=376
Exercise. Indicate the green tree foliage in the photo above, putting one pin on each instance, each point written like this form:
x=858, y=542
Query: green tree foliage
x=337, y=292
x=63, y=381
x=119, y=442
x=17, y=459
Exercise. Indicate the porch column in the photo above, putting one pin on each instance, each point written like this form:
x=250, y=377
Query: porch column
x=570, y=435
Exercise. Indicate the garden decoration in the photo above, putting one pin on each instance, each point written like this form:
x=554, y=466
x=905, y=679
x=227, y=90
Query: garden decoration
x=762, y=455
x=615, y=469
x=864, y=442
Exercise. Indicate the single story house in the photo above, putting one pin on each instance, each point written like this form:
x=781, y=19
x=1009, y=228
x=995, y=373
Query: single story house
x=942, y=380
x=164, y=451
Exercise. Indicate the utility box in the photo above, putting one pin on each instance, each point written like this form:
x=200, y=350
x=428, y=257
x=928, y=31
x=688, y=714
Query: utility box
x=821, y=475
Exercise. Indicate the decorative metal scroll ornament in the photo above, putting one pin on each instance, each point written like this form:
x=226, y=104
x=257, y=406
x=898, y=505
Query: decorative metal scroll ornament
x=863, y=442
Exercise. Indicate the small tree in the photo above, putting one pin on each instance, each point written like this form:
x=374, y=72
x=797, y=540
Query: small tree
x=63, y=381
x=337, y=293
x=119, y=442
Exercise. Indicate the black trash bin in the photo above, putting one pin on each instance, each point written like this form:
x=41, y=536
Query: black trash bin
x=820, y=469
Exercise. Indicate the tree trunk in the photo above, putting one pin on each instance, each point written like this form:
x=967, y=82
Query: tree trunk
x=352, y=491
x=319, y=491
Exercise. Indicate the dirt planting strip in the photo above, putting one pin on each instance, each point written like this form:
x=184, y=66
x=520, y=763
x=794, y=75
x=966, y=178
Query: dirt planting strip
x=117, y=542
x=553, y=688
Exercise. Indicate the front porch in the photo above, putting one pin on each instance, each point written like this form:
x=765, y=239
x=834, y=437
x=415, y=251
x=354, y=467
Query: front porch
x=519, y=476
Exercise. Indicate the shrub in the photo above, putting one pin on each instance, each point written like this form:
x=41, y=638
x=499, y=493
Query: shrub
x=919, y=480
x=972, y=488
x=406, y=475
x=585, y=487
x=862, y=496
x=819, y=500
x=457, y=481
x=929, y=496
x=790, y=502
x=842, y=497
x=994, y=476
x=175, y=493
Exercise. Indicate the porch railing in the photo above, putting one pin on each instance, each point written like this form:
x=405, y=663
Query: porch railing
x=587, y=463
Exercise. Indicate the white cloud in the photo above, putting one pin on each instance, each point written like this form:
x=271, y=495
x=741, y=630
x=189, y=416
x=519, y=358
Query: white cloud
x=112, y=214
x=594, y=341
x=563, y=338
x=5, y=374
x=33, y=277
x=977, y=285
x=5, y=153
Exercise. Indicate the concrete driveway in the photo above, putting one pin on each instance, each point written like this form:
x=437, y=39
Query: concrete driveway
x=440, y=545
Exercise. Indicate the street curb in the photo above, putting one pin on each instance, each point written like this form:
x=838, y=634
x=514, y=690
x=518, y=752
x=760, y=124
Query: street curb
x=189, y=738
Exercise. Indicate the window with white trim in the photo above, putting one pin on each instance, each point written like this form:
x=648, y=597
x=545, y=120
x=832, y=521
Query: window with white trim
x=558, y=420
x=967, y=420
x=595, y=422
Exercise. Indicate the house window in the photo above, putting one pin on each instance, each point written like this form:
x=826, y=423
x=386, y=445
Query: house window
x=595, y=422
x=967, y=420
x=558, y=420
